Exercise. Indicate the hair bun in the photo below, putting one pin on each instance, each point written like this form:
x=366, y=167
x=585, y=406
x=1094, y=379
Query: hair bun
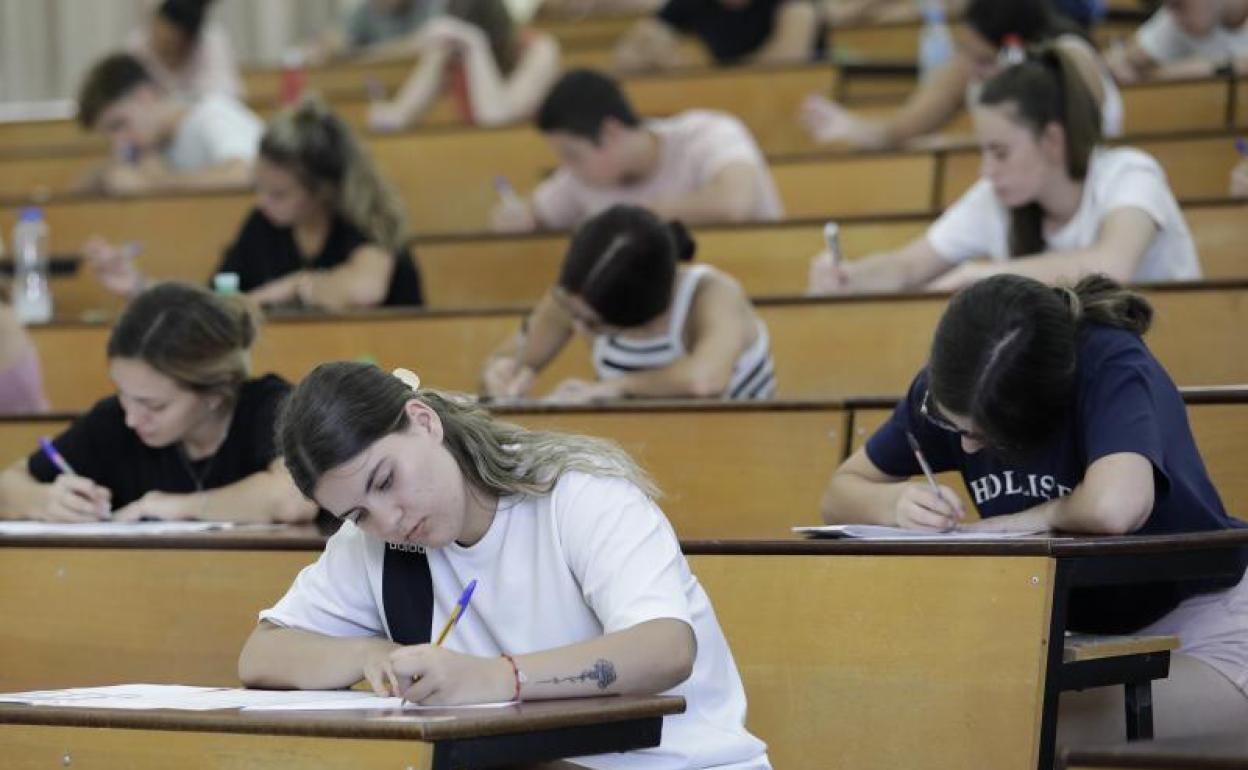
x=686, y=246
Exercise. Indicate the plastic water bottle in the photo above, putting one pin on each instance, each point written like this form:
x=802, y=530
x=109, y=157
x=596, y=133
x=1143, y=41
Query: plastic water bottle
x=935, y=41
x=32, y=297
x=294, y=76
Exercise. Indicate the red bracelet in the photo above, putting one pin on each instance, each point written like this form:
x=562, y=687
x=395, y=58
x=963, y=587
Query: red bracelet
x=516, y=675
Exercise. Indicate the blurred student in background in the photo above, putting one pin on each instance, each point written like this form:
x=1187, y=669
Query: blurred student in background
x=697, y=166
x=1186, y=38
x=327, y=232
x=160, y=142
x=188, y=54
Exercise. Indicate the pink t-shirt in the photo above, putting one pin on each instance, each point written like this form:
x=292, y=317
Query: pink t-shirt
x=211, y=68
x=694, y=146
x=21, y=385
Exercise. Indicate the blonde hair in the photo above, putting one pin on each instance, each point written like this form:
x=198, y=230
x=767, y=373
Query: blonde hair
x=315, y=145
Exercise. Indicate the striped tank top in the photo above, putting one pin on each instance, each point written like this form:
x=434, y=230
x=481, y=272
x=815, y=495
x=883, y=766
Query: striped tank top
x=753, y=375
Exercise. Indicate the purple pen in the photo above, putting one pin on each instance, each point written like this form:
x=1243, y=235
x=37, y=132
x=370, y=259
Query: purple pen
x=54, y=456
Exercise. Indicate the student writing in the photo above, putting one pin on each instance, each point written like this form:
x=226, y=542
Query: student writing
x=189, y=435
x=582, y=588
x=658, y=327
x=1052, y=202
x=1058, y=417
x=327, y=232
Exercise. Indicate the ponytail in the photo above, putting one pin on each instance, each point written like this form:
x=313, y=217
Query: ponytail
x=320, y=149
x=622, y=263
x=1098, y=299
x=1045, y=89
x=1005, y=351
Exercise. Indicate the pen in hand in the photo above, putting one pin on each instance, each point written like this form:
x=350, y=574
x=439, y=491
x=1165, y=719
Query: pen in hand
x=927, y=470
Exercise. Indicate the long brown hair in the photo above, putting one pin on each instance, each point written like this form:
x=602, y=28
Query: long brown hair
x=1045, y=89
x=196, y=338
x=340, y=409
x=323, y=153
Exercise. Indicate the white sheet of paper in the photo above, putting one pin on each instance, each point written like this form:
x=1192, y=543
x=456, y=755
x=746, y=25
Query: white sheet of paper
x=114, y=528
x=875, y=532
x=185, y=698
x=364, y=700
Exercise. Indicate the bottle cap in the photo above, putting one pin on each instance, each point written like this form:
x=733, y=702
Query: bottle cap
x=31, y=214
x=225, y=283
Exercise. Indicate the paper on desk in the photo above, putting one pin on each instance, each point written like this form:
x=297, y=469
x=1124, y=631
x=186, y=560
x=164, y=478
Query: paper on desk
x=119, y=528
x=184, y=698
x=339, y=700
x=876, y=532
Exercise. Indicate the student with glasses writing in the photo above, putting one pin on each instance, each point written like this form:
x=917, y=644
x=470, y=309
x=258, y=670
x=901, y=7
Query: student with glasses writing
x=659, y=328
x=1059, y=418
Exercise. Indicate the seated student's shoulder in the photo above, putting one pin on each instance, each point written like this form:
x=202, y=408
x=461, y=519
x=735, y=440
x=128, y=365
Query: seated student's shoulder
x=580, y=493
x=1103, y=347
x=266, y=387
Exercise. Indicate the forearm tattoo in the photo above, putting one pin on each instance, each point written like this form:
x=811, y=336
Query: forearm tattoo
x=601, y=673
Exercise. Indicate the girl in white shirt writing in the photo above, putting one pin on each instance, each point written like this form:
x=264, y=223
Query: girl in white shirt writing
x=582, y=587
x=1052, y=203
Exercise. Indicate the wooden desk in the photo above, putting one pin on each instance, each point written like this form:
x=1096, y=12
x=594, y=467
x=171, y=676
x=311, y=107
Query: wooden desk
x=1205, y=752
x=826, y=348
x=854, y=656
x=38, y=737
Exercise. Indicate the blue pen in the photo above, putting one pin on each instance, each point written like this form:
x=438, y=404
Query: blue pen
x=460, y=607
x=54, y=456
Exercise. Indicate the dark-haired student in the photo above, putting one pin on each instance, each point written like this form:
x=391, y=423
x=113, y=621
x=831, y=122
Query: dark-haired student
x=189, y=434
x=659, y=328
x=161, y=142
x=327, y=232
x=697, y=166
x=1058, y=417
x=732, y=31
x=989, y=24
x=1053, y=203
x=186, y=52
x=583, y=590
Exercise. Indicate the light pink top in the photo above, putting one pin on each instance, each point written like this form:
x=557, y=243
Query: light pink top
x=694, y=146
x=211, y=69
x=21, y=385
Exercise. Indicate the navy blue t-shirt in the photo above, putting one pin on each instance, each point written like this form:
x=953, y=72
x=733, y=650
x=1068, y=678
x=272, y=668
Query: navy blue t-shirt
x=264, y=252
x=1124, y=402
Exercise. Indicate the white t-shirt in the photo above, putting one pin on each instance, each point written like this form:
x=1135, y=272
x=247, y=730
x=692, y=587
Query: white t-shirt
x=694, y=146
x=594, y=556
x=978, y=224
x=215, y=129
x=1164, y=40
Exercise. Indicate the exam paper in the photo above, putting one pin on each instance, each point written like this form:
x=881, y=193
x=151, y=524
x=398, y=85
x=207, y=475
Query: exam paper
x=876, y=532
x=185, y=698
x=118, y=528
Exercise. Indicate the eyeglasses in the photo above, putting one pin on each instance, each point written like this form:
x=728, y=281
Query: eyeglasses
x=928, y=410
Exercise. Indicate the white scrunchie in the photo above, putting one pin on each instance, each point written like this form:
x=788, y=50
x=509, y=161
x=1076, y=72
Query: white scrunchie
x=408, y=378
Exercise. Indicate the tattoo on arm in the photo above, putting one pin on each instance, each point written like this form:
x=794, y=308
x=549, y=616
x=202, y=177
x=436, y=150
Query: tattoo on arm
x=602, y=673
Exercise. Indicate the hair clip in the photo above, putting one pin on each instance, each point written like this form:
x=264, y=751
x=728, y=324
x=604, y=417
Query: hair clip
x=408, y=378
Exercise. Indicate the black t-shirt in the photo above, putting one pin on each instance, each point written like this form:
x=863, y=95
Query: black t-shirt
x=98, y=445
x=264, y=252
x=1124, y=402
x=728, y=33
